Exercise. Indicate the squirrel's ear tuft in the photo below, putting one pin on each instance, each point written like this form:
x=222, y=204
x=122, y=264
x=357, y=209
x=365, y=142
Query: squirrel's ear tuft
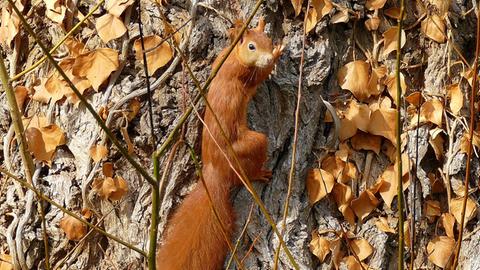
x=261, y=25
x=235, y=31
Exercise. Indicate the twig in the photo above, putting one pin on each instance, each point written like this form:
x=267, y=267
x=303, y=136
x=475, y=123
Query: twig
x=470, y=139
x=242, y=234
x=11, y=243
x=70, y=213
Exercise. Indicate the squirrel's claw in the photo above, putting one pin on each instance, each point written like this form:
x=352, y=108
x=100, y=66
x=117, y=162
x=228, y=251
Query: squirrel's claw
x=278, y=50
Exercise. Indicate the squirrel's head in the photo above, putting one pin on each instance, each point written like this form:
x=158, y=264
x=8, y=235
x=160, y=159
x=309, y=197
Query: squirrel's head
x=255, y=48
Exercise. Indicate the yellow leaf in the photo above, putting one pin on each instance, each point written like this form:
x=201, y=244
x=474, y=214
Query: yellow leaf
x=98, y=152
x=354, y=76
x=365, y=141
x=297, y=6
x=362, y=248
x=440, y=250
x=6, y=262
x=319, y=246
x=390, y=40
x=116, y=7
x=364, y=204
x=456, y=205
x=382, y=225
x=43, y=141
x=391, y=83
x=110, y=27
x=160, y=55
x=319, y=184
x=96, y=65
x=456, y=98
x=375, y=4
x=432, y=111
x=382, y=123
x=448, y=221
x=73, y=228
x=312, y=20
x=434, y=28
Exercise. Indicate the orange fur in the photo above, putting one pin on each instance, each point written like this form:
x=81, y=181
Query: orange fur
x=193, y=238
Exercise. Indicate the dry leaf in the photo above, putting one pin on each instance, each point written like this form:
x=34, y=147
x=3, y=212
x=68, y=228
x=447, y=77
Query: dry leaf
x=116, y=7
x=391, y=83
x=365, y=141
x=333, y=165
x=389, y=182
x=432, y=111
x=347, y=129
x=415, y=98
x=319, y=184
x=6, y=262
x=456, y=98
x=393, y=13
x=96, y=65
x=323, y=7
x=156, y=58
x=126, y=138
x=21, y=93
x=56, y=10
x=111, y=188
x=354, y=76
x=110, y=27
x=436, y=141
x=107, y=169
x=448, y=221
x=9, y=28
x=364, y=204
x=359, y=114
x=362, y=248
x=390, y=40
x=382, y=123
x=465, y=141
x=434, y=28
x=297, y=6
x=311, y=21
x=343, y=196
x=43, y=141
x=319, y=246
x=352, y=263
x=375, y=4
x=349, y=173
x=75, y=47
x=382, y=225
x=73, y=228
x=133, y=109
x=456, y=205
x=341, y=16
x=372, y=23
x=432, y=209
x=440, y=250
x=98, y=152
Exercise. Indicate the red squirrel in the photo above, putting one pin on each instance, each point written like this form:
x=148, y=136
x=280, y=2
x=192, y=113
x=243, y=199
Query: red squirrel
x=193, y=238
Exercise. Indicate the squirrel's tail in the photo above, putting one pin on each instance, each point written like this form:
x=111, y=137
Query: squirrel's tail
x=194, y=240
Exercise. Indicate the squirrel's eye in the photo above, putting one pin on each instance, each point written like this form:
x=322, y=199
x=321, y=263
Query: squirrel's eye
x=251, y=47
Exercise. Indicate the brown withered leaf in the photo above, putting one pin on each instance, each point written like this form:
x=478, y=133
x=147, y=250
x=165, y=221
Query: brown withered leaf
x=9, y=27
x=465, y=140
x=372, y=23
x=110, y=27
x=382, y=123
x=322, y=7
x=365, y=141
x=364, y=204
x=319, y=184
x=56, y=10
x=343, y=196
x=362, y=248
x=436, y=141
x=73, y=228
x=74, y=46
x=341, y=16
x=113, y=188
x=116, y=7
x=352, y=263
x=375, y=4
x=43, y=141
x=297, y=6
x=391, y=83
x=391, y=39
x=359, y=114
x=347, y=129
x=133, y=109
x=319, y=246
x=96, y=65
x=334, y=165
x=432, y=111
x=21, y=93
x=349, y=173
x=415, y=98
x=311, y=21
x=107, y=169
x=158, y=57
x=6, y=262
x=354, y=76
x=432, y=209
x=440, y=250
x=448, y=222
x=388, y=180
x=434, y=28
x=382, y=225
x=393, y=13
x=98, y=152
x=456, y=98
x=456, y=205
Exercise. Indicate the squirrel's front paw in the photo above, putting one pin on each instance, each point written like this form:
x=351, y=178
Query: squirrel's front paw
x=278, y=50
x=264, y=176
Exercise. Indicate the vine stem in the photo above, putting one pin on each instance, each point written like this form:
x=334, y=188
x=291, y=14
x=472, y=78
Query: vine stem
x=469, y=149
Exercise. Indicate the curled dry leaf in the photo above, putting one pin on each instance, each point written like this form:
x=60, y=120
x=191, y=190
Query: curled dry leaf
x=347, y=129
x=311, y=21
x=354, y=76
x=365, y=141
x=364, y=204
x=9, y=27
x=456, y=98
x=432, y=209
x=343, y=196
x=434, y=28
x=382, y=123
x=415, y=98
x=43, y=141
x=319, y=184
x=110, y=27
x=375, y=4
x=333, y=165
x=464, y=141
x=96, y=65
x=160, y=55
x=98, y=152
x=372, y=23
x=382, y=225
x=74, y=46
x=116, y=7
x=319, y=246
x=362, y=248
x=448, y=221
x=440, y=250
x=341, y=16
x=432, y=111
x=388, y=180
x=107, y=169
x=391, y=83
x=21, y=93
x=111, y=188
x=73, y=228
x=456, y=209
x=133, y=109
x=436, y=141
x=349, y=173
x=393, y=13
x=322, y=7
x=297, y=6
x=359, y=114
x=56, y=10
x=390, y=40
